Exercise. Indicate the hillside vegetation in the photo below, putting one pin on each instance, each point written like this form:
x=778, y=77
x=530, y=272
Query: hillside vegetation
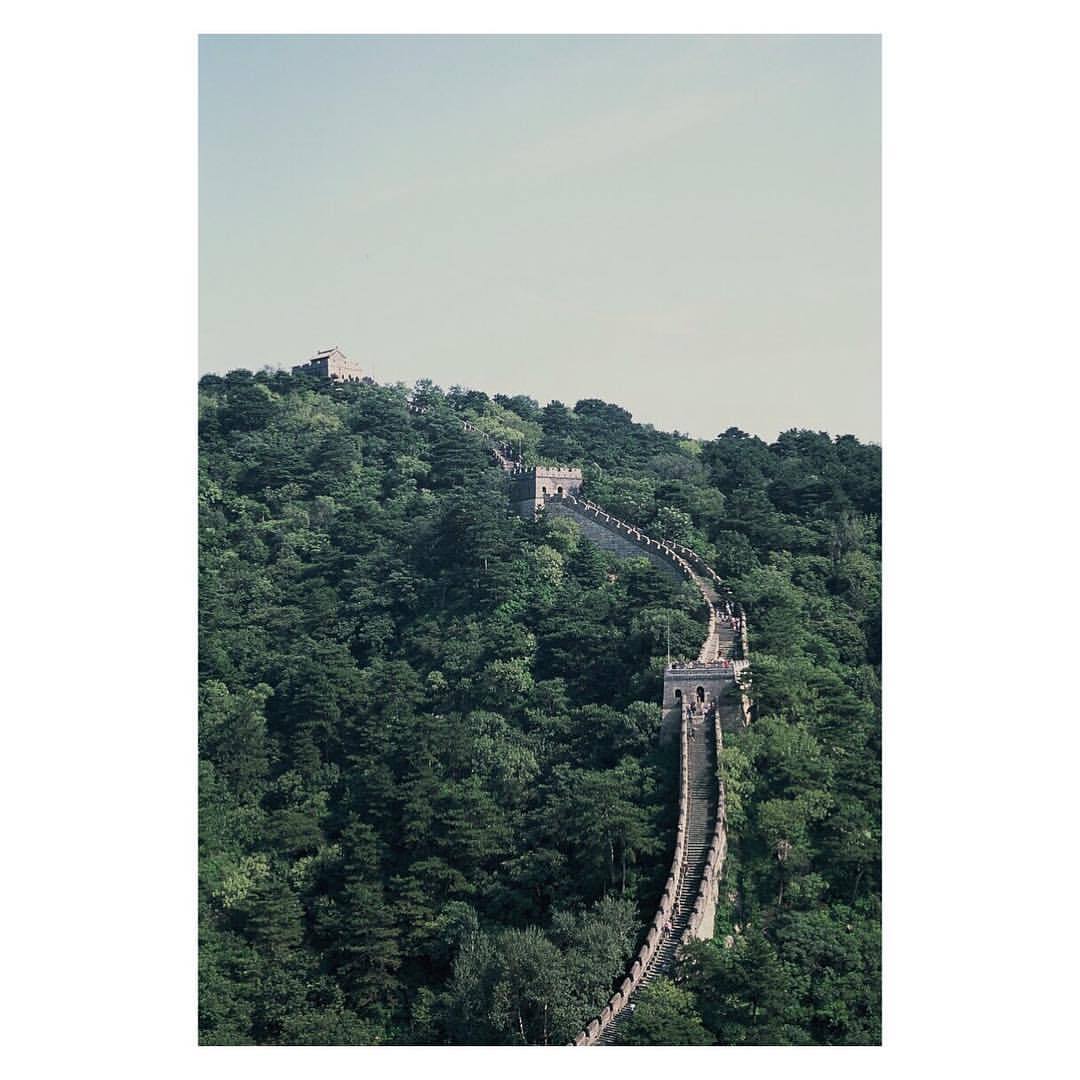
x=432, y=804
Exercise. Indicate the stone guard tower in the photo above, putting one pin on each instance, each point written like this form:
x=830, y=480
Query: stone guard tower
x=683, y=683
x=331, y=364
x=530, y=487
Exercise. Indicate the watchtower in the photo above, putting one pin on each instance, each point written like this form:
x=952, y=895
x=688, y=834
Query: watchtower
x=706, y=684
x=331, y=364
x=530, y=487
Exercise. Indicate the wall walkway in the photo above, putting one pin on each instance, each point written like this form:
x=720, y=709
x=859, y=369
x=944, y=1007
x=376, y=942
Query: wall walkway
x=688, y=903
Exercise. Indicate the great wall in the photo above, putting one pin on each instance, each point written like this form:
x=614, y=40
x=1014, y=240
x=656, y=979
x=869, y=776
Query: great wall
x=701, y=699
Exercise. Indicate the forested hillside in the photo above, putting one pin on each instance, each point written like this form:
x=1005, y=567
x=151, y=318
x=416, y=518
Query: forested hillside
x=432, y=804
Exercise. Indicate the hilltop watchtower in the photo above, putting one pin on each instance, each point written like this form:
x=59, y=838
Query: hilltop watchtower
x=530, y=487
x=331, y=364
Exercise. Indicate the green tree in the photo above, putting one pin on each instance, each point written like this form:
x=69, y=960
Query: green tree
x=358, y=923
x=665, y=1015
x=425, y=722
x=510, y=988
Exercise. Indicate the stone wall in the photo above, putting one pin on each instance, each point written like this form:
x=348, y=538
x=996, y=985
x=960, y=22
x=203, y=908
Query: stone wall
x=715, y=678
x=703, y=916
x=618, y=536
x=640, y=965
x=609, y=538
x=741, y=666
x=612, y=534
x=624, y=539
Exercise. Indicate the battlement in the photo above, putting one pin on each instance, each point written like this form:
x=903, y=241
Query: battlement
x=723, y=667
x=554, y=473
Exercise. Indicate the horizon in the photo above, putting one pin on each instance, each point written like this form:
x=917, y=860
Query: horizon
x=691, y=223
x=570, y=404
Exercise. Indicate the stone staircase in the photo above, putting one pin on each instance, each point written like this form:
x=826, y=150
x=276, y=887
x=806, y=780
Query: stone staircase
x=720, y=644
x=701, y=816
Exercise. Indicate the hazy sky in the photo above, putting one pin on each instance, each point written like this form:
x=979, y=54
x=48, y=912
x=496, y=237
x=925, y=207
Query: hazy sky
x=686, y=226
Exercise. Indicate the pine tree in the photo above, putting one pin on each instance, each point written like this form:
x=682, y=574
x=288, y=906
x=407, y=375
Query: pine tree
x=364, y=934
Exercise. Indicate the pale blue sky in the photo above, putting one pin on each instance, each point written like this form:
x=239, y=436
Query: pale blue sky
x=686, y=226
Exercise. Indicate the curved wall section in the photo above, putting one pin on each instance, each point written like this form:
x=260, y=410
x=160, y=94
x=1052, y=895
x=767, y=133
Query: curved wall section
x=709, y=687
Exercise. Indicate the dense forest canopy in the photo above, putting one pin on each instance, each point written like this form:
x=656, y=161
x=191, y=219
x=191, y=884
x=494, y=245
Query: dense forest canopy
x=432, y=804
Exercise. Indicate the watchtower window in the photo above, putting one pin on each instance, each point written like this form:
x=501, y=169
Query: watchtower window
x=559, y=490
x=544, y=490
x=701, y=693
x=678, y=696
